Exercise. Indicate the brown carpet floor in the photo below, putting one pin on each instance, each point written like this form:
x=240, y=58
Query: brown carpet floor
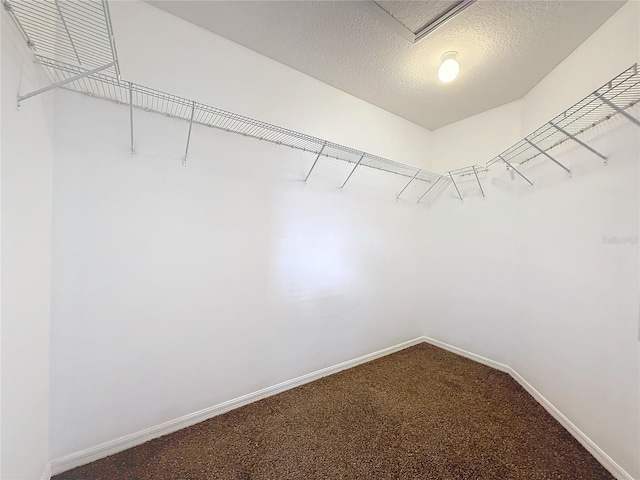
x=421, y=413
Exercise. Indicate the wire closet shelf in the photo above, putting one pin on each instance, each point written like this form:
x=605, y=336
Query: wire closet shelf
x=73, y=40
x=77, y=32
x=613, y=98
x=137, y=96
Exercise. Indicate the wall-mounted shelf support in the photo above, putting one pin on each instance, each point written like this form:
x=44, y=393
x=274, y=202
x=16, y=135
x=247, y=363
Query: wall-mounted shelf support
x=186, y=151
x=315, y=161
x=63, y=82
x=131, y=117
x=580, y=142
x=548, y=156
x=455, y=185
x=515, y=170
x=354, y=169
x=429, y=189
x=408, y=183
x=467, y=172
x=475, y=172
x=617, y=108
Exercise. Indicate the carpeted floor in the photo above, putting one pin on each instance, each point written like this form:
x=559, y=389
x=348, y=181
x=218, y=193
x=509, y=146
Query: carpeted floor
x=421, y=413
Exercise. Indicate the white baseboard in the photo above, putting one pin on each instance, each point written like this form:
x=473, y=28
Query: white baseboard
x=46, y=473
x=119, y=444
x=605, y=460
x=464, y=353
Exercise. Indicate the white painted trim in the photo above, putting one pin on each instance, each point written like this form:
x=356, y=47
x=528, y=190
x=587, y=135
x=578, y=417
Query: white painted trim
x=607, y=462
x=46, y=473
x=119, y=444
x=464, y=353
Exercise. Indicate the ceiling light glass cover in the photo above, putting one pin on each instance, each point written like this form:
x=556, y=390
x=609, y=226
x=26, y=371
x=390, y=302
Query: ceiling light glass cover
x=449, y=68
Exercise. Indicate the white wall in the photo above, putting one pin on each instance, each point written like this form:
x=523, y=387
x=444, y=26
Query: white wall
x=25, y=256
x=177, y=288
x=178, y=57
x=476, y=139
x=180, y=287
x=526, y=278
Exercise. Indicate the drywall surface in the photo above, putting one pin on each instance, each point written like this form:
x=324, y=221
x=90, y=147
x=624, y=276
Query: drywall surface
x=179, y=287
x=610, y=50
x=25, y=255
x=183, y=59
x=183, y=287
x=477, y=139
x=546, y=279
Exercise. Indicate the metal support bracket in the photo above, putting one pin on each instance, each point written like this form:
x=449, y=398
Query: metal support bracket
x=315, y=161
x=617, y=108
x=64, y=82
x=455, y=185
x=131, y=117
x=577, y=140
x=186, y=150
x=409, y=183
x=475, y=172
x=515, y=170
x=428, y=190
x=548, y=156
x=354, y=169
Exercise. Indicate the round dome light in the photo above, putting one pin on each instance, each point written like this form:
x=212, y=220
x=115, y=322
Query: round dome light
x=449, y=68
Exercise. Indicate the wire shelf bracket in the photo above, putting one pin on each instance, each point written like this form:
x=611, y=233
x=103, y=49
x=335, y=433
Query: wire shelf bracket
x=315, y=161
x=475, y=172
x=515, y=170
x=467, y=171
x=580, y=142
x=408, y=183
x=186, y=150
x=429, y=189
x=546, y=154
x=456, y=186
x=131, y=117
x=61, y=83
x=354, y=169
x=617, y=108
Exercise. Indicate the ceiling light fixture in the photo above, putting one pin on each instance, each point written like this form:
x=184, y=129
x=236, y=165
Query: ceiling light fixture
x=449, y=68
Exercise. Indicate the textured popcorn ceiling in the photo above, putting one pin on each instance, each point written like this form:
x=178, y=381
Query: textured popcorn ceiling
x=505, y=47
